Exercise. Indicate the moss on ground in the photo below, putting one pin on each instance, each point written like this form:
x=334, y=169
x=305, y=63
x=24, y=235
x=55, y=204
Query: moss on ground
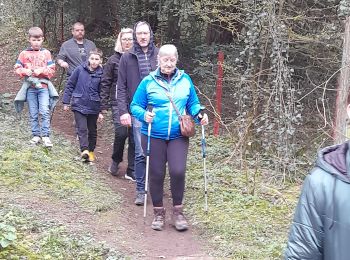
x=52, y=172
x=37, y=239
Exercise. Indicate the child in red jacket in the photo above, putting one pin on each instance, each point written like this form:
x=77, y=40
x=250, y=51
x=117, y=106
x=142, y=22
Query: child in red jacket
x=35, y=64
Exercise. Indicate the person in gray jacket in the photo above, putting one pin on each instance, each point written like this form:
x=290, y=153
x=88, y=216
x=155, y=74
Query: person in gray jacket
x=75, y=51
x=321, y=225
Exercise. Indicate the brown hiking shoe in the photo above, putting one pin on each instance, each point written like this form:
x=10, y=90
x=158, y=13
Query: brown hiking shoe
x=159, y=217
x=178, y=218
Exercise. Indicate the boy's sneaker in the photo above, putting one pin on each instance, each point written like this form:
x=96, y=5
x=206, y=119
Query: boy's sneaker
x=47, y=141
x=85, y=155
x=130, y=176
x=35, y=140
x=140, y=198
x=91, y=156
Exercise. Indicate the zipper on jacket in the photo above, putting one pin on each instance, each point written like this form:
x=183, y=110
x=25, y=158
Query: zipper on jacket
x=171, y=92
x=170, y=119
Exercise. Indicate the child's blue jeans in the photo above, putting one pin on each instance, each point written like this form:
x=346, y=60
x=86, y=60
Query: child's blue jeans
x=38, y=102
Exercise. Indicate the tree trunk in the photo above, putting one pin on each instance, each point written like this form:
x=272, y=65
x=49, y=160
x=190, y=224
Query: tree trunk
x=343, y=89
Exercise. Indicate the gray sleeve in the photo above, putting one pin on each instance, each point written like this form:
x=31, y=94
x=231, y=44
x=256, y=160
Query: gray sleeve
x=62, y=55
x=306, y=234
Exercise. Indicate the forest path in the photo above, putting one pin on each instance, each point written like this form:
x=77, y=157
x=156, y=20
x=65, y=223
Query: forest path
x=123, y=229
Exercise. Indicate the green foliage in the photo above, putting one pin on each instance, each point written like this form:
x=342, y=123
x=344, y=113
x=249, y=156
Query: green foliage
x=248, y=216
x=7, y=235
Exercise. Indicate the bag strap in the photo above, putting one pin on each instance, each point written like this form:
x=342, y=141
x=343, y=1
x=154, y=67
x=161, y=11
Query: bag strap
x=172, y=102
x=168, y=95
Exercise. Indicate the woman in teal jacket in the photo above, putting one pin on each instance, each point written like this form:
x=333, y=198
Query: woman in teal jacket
x=167, y=145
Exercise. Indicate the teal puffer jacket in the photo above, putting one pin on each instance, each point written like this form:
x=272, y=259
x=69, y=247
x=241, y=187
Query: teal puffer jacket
x=152, y=91
x=321, y=225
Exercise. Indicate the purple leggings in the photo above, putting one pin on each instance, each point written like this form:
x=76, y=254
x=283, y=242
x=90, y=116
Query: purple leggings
x=175, y=153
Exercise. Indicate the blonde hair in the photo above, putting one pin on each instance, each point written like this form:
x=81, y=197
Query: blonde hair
x=118, y=43
x=35, y=32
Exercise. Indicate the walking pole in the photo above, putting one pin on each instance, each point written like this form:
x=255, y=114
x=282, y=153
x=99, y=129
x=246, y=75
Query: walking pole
x=204, y=170
x=147, y=164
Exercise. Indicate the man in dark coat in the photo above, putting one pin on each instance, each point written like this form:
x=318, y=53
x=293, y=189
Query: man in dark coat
x=321, y=225
x=134, y=65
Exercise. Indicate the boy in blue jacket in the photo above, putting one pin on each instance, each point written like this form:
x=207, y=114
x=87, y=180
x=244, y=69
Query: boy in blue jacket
x=82, y=94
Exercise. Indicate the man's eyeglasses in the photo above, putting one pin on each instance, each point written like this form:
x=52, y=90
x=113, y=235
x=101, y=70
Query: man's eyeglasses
x=126, y=39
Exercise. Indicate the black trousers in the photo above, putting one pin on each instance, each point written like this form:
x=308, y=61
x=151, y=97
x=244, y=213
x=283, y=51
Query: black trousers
x=121, y=133
x=86, y=126
x=174, y=152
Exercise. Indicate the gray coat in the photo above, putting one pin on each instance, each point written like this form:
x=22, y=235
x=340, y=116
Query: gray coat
x=321, y=225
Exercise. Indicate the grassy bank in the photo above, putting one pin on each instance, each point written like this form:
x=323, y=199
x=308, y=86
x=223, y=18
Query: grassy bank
x=248, y=217
x=35, y=239
x=51, y=177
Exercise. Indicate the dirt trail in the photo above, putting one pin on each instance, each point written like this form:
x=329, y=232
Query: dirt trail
x=125, y=229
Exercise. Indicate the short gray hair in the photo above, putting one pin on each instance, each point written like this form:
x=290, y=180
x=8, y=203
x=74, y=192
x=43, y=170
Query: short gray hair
x=168, y=49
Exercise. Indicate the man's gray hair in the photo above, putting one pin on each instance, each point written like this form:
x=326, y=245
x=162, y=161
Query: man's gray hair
x=168, y=49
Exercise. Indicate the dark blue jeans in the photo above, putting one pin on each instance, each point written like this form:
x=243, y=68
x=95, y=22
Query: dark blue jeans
x=140, y=160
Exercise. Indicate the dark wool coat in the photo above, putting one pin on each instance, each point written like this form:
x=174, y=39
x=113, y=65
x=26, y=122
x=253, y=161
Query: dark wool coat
x=129, y=76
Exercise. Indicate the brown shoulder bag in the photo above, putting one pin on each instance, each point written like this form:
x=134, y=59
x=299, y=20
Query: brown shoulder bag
x=187, y=125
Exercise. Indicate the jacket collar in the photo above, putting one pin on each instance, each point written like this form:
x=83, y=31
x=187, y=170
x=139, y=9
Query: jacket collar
x=97, y=71
x=162, y=81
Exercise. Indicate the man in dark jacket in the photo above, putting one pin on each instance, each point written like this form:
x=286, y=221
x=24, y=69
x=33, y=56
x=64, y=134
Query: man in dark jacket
x=134, y=65
x=321, y=225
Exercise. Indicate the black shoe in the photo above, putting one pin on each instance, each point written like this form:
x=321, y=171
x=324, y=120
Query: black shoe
x=113, y=168
x=130, y=176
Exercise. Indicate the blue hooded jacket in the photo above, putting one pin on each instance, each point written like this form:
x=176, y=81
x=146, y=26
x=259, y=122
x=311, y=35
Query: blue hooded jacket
x=83, y=90
x=152, y=92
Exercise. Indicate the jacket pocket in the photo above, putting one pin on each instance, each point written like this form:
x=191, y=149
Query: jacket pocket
x=94, y=97
x=76, y=99
x=78, y=95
